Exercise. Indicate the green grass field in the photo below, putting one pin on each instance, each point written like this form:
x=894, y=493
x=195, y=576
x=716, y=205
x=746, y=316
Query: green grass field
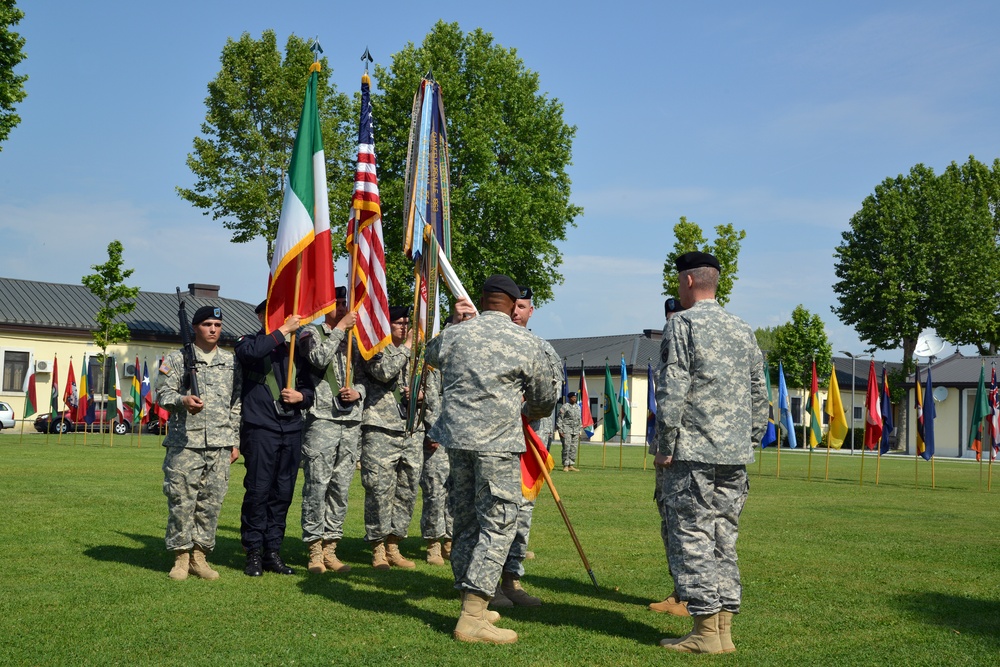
x=834, y=573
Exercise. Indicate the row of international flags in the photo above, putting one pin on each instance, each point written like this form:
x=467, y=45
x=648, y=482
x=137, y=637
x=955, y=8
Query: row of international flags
x=78, y=403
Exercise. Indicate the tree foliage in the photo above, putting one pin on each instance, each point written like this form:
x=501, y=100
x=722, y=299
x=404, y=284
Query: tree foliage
x=254, y=107
x=11, y=53
x=688, y=237
x=765, y=338
x=108, y=285
x=509, y=149
x=797, y=343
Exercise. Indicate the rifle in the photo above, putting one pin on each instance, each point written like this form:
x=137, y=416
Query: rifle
x=189, y=380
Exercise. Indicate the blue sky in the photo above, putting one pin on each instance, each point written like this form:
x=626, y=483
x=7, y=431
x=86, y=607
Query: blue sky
x=777, y=117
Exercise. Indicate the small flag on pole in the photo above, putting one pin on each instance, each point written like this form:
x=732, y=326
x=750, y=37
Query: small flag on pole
x=532, y=478
x=785, y=409
x=626, y=407
x=887, y=424
x=835, y=409
x=586, y=418
x=650, y=406
x=980, y=411
x=873, y=421
x=771, y=434
x=611, y=418
x=815, y=422
x=71, y=397
x=30, y=396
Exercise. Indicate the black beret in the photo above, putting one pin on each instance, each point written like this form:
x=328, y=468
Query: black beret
x=695, y=260
x=341, y=293
x=206, y=313
x=261, y=307
x=397, y=312
x=502, y=284
x=571, y=394
x=526, y=292
x=672, y=305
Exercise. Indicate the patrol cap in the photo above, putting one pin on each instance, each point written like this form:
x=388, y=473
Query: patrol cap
x=260, y=307
x=695, y=260
x=206, y=313
x=672, y=305
x=341, y=293
x=397, y=312
x=525, y=291
x=502, y=284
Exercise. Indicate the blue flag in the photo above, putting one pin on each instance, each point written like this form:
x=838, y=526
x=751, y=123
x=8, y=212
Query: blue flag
x=771, y=434
x=929, y=415
x=785, y=406
x=886, y=409
x=650, y=406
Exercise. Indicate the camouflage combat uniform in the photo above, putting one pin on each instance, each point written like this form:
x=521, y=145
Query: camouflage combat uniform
x=488, y=366
x=390, y=460
x=435, y=479
x=331, y=439
x=570, y=425
x=711, y=411
x=196, y=465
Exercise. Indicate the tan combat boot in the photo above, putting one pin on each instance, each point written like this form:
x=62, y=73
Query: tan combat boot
x=316, y=565
x=182, y=561
x=499, y=600
x=434, y=556
x=330, y=559
x=396, y=559
x=472, y=625
x=446, y=549
x=672, y=605
x=704, y=638
x=379, y=561
x=510, y=584
x=199, y=566
x=726, y=632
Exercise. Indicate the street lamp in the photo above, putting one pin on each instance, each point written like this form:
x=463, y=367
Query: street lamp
x=854, y=360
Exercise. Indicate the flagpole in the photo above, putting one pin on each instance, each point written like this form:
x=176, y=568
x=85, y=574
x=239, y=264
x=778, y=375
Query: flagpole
x=562, y=511
x=916, y=468
x=778, y=473
x=350, y=295
x=829, y=442
x=295, y=311
x=932, y=471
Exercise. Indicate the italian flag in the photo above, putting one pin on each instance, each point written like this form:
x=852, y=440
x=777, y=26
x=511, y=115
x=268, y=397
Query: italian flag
x=301, y=280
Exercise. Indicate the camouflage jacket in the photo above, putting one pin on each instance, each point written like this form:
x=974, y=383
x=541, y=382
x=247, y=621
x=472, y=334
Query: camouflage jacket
x=488, y=366
x=326, y=349
x=384, y=376
x=219, y=381
x=711, y=400
x=432, y=398
x=570, y=419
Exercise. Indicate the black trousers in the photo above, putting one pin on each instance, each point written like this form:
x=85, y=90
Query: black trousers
x=272, y=462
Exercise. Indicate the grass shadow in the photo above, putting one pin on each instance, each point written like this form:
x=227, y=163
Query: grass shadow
x=151, y=553
x=959, y=613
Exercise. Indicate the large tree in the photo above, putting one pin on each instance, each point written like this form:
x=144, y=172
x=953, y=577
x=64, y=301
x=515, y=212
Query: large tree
x=509, y=148
x=688, y=237
x=800, y=342
x=11, y=85
x=254, y=106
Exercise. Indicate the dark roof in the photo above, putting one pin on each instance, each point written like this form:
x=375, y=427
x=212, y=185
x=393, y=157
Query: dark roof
x=639, y=349
x=30, y=304
x=957, y=371
x=860, y=366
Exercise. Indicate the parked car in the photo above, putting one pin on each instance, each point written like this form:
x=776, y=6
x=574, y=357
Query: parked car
x=6, y=416
x=64, y=424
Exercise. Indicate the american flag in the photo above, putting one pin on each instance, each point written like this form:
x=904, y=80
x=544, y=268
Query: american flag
x=370, y=296
x=994, y=416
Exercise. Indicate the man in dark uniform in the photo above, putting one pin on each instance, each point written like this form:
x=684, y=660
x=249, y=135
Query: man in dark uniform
x=271, y=440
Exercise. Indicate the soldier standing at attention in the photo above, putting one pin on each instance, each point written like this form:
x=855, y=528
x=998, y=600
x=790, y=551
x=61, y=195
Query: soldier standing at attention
x=435, y=480
x=390, y=460
x=271, y=440
x=489, y=368
x=711, y=406
x=202, y=442
x=509, y=591
x=331, y=438
x=570, y=425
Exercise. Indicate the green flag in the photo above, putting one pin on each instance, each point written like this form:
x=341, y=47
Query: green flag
x=610, y=406
x=980, y=410
x=30, y=399
x=54, y=398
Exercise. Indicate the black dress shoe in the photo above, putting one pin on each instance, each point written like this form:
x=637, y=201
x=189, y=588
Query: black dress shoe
x=254, y=566
x=273, y=563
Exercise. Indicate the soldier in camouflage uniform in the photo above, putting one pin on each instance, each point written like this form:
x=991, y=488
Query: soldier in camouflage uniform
x=711, y=406
x=435, y=480
x=509, y=591
x=390, y=459
x=331, y=438
x=202, y=441
x=570, y=425
x=489, y=367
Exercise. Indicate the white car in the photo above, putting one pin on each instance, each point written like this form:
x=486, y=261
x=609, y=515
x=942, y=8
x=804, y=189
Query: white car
x=6, y=415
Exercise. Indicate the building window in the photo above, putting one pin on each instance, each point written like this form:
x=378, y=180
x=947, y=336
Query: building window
x=859, y=413
x=826, y=417
x=15, y=369
x=796, y=410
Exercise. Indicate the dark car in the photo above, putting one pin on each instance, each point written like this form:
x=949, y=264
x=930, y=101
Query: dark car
x=65, y=424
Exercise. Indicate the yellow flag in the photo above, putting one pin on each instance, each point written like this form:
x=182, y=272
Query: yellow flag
x=835, y=410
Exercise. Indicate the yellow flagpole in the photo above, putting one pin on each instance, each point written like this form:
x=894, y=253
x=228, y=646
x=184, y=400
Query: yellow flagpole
x=350, y=294
x=290, y=379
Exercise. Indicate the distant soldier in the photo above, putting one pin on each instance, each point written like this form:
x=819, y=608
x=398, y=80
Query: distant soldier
x=570, y=425
x=711, y=405
x=202, y=442
x=489, y=368
x=331, y=440
x=390, y=459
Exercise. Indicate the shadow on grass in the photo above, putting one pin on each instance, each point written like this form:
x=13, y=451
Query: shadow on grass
x=961, y=614
x=151, y=554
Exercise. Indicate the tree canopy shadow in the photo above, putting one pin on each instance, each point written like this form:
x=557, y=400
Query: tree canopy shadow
x=960, y=613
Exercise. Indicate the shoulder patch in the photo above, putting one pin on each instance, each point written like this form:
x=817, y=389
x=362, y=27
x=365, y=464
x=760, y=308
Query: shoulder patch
x=165, y=367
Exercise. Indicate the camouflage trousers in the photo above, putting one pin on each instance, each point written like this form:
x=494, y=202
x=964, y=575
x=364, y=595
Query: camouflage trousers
x=570, y=443
x=484, y=499
x=661, y=506
x=390, y=473
x=194, y=481
x=704, y=502
x=435, y=483
x=330, y=453
x=519, y=547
